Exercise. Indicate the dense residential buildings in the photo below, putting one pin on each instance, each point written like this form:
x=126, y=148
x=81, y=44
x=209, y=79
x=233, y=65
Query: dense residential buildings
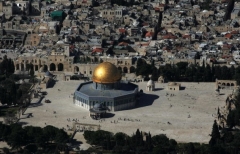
x=74, y=36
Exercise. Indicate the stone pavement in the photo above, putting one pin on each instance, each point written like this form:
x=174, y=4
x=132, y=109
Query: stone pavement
x=186, y=115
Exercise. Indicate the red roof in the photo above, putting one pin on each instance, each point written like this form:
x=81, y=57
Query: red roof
x=228, y=35
x=123, y=44
x=234, y=32
x=157, y=9
x=97, y=50
x=169, y=36
x=122, y=30
x=149, y=34
x=226, y=46
x=186, y=36
x=145, y=24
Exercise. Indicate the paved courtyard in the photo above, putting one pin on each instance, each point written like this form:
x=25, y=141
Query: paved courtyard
x=186, y=116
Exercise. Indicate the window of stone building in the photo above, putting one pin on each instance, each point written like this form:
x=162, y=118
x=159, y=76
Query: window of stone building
x=84, y=72
x=50, y=59
x=90, y=72
x=55, y=59
x=35, y=42
x=60, y=59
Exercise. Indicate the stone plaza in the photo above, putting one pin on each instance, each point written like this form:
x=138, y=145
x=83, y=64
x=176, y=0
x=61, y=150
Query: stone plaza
x=186, y=115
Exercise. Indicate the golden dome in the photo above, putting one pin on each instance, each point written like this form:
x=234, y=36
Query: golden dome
x=106, y=73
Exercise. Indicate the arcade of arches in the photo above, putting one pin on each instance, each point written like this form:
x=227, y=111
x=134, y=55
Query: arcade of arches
x=56, y=67
x=51, y=67
x=90, y=70
x=226, y=83
x=87, y=69
x=60, y=67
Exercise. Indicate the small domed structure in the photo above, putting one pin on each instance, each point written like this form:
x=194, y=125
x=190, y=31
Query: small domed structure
x=150, y=85
x=174, y=86
x=161, y=79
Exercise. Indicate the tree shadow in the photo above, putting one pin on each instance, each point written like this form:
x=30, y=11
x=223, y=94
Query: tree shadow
x=158, y=89
x=182, y=88
x=27, y=115
x=109, y=115
x=75, y=142
x=22, y=123
x=36, y=104
x=146, y=100
x=51, y=84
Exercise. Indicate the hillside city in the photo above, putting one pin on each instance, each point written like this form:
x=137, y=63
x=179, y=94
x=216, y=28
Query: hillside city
x=120, y=76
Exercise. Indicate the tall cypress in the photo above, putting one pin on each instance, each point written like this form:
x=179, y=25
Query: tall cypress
x=215, y=135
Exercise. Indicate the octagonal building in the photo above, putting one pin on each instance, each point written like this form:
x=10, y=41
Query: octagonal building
x=106, y=88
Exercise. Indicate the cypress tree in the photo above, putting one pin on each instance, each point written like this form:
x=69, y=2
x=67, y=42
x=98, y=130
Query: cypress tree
x=215, y=135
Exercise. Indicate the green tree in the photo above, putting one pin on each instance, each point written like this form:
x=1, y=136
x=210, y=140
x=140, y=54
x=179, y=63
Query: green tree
x=31, y=72
x=7, y=66
x=17, y=139
x=6, y=150
x=208, y=73
x=237, y=75
x=19, y=94
x=50, y=133
x=182, y=66
x=231, y=119
x=61, y=137
x=215, y=135
x=120, y=139
x=228, y=137
x=190, y=148
x=149, y=142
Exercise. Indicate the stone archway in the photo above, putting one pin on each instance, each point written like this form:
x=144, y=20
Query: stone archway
x=228, y=84
x=132, y=69
x=22, y=67
x=232, y=84
x=36, y=67
x=52, y=67
x=45, y=68
x=60, y=67
x=76, y=69
x=120, y=69
x=125, y=70
x=17, y=66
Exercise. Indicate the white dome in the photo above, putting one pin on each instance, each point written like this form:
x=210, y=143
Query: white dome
x=150, y=83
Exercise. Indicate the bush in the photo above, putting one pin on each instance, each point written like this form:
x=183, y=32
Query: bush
x=74, y=77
